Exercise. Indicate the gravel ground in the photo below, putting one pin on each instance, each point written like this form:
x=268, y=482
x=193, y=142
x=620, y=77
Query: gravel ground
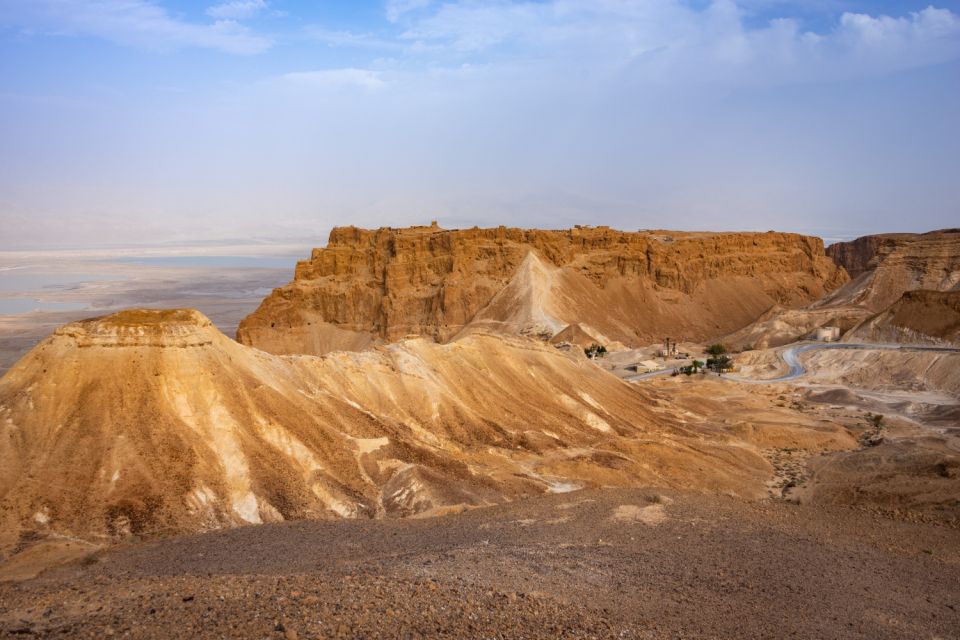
x=590, y=564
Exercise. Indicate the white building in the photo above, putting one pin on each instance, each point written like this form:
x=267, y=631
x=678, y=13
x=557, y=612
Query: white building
x=648, y=366
x=828, y=334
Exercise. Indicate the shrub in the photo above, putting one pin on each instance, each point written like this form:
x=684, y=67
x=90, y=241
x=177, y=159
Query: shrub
x=716, y=350
x=720, y=363
x=595, y=351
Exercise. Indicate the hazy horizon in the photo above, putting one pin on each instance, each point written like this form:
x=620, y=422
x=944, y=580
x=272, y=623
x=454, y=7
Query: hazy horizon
x=136, y=123
x=266, y=246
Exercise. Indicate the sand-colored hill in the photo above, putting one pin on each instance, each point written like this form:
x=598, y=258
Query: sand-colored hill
x=148, y=422
x=883, y=269
x=574, y=334
x=918, y=317
x=379, y=286
x=779, y=326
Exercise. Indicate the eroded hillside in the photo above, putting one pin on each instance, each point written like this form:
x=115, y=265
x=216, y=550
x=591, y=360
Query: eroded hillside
x=902, y=290
x=634, y=288
x=920, y=317
x=148, y=422
x=884, y=267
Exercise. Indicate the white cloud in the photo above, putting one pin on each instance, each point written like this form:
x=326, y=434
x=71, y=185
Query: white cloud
x=336, y=78
x=351, y=39
x=924, y=37
x=237, y=9
x=136, y=23
x=634, y=113
x=396, y=9
x=668, y=41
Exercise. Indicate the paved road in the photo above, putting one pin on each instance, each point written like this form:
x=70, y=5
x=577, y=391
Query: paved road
x=791, y=356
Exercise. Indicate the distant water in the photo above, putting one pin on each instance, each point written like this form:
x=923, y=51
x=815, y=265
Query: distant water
x=49, y=286
x=20, y=280
x=216, y=262
x=10, y=306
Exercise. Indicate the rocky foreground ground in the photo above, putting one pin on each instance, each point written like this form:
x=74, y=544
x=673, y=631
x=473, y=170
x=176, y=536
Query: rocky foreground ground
x=597, y=564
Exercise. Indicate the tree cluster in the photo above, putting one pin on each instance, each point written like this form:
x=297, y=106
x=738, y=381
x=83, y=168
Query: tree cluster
x=595, y=351
x=718, y=361
x=694, y=367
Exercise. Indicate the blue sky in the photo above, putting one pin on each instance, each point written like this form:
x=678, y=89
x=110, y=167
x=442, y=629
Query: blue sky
x=150, y=121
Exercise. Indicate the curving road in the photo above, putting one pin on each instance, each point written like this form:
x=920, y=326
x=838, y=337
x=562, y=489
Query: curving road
x=791, y=357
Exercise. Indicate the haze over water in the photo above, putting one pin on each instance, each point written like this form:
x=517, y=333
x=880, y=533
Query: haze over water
x=130, y=122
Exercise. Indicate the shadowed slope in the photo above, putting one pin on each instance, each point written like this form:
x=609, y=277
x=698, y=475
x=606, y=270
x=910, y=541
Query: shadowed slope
x=886, y=269
x=917, y=317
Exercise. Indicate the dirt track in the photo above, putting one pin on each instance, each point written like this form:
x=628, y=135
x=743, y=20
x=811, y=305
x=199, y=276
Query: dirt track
x=636, y=564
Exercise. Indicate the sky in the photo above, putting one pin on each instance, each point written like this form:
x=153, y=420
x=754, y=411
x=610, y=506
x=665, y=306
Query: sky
x=167, y=121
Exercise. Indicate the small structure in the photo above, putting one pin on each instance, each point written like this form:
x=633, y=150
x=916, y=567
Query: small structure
x=648, y=366
x=828, y=334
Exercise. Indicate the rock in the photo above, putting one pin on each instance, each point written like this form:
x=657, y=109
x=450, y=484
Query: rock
x=897, y=276
x=884, y=267
x=222, y=437
x=632, y=287
x=930, y=317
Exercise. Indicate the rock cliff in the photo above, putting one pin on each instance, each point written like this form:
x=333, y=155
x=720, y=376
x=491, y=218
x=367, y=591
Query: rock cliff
x=372, y=286
x=918, y=317
x=884, y=267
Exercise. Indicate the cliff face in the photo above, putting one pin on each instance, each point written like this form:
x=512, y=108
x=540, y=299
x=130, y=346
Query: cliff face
x=368, y=286
x=884, y=267
x=857, y=255
x=918, y=317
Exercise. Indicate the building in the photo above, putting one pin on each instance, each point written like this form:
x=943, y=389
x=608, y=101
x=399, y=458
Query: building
x=648, y=366
x=828, y=334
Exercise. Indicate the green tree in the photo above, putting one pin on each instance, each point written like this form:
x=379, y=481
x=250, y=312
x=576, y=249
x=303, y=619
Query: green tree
x=716, y=350
x=595, y=351
x=720, y=363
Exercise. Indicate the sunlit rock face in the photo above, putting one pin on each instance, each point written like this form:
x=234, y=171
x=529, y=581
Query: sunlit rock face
x=884, y=267
x=149, y=422
x=628, y=287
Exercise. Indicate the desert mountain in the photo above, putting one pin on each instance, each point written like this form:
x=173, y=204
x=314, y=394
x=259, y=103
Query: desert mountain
x=895, y=277
x=153, y=421
x=918, y=317
x=378, y=286
x=884, y=267
x=778, y=326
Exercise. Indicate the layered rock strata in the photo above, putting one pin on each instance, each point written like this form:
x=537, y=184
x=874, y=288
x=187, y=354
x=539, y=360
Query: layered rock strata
x=379, y=286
